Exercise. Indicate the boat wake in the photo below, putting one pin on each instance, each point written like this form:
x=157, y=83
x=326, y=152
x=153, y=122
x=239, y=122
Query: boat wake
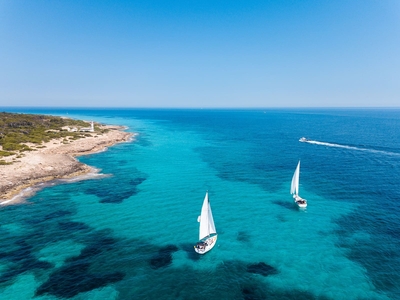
x=304, y=140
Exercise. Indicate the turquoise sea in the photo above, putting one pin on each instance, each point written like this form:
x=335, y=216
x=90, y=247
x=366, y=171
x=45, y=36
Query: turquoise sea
x=130, y=234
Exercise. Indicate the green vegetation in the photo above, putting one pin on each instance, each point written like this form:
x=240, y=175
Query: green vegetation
x=18, y=129
x=5, y=153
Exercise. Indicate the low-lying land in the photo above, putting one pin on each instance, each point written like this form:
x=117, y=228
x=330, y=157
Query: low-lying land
x=39, y=148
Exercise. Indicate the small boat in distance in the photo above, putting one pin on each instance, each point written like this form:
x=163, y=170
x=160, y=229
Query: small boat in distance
x=303, y=139
x=207, y=233
x=294, y=188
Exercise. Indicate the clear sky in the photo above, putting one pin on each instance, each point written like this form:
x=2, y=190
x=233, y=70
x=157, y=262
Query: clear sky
x=200, y=53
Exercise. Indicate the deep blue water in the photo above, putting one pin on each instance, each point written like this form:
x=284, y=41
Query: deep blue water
x=130, y=234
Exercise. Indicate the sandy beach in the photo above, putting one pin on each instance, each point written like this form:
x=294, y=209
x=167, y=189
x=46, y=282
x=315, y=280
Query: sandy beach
x=53, y=160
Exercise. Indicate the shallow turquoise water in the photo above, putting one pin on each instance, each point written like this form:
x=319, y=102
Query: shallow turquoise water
x=130, y=234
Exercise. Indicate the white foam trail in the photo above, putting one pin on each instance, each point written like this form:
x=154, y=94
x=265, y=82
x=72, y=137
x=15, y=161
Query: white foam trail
x=350, y=147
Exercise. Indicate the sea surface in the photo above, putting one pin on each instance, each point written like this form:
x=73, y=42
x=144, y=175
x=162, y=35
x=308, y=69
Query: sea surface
x=130, y=233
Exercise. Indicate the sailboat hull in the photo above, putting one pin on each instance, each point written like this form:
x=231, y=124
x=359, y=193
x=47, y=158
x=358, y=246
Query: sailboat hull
x=206, y=244
x=302, y=203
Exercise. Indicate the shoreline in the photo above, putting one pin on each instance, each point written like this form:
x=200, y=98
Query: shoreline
x=54, y=160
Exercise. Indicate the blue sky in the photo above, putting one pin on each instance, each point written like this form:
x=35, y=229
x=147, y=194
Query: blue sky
x=200, y=53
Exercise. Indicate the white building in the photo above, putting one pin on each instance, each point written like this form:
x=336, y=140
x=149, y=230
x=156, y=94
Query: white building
x=88, y=129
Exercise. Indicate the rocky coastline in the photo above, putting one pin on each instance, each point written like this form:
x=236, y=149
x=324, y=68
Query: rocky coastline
x=54, y=160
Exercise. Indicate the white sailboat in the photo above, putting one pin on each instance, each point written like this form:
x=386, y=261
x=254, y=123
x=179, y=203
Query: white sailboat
x=207, y=233
x=294, y=189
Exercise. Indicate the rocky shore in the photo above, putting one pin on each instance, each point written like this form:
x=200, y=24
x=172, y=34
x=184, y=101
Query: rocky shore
x=54, y=160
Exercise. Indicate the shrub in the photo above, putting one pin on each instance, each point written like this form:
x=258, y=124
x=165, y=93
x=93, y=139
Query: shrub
x=5, y=153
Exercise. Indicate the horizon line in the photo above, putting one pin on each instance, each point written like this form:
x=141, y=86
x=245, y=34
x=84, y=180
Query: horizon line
x=203, y=108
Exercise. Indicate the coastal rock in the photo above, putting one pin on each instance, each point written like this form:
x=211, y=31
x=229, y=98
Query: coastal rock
x=54, y=160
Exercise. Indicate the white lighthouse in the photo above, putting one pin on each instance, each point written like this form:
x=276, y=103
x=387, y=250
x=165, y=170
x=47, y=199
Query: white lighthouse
x=88, y=129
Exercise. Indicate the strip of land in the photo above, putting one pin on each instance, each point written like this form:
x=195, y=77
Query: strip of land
x=54, y=159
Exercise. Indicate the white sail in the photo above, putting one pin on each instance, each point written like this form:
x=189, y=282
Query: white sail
x=211, y=220
x=294, y=189
x=206, y=219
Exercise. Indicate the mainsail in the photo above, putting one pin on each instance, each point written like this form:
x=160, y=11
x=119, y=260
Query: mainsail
x=206, y=220
x=294, y=189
